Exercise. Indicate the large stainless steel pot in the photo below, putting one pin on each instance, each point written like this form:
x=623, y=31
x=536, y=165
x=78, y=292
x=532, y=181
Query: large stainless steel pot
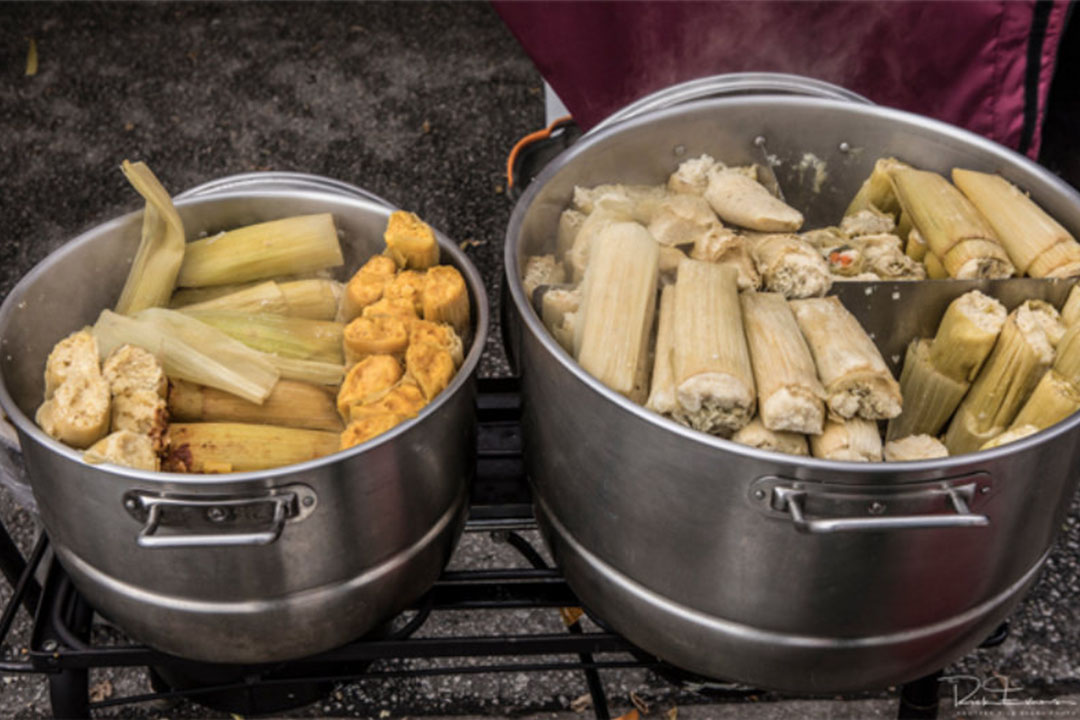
x=244, y=567
x=795, y=574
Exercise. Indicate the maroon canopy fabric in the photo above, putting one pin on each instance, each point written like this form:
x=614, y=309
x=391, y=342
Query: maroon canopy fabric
x=983, y=65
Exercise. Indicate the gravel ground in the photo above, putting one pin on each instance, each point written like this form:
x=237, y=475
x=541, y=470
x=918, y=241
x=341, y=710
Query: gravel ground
x=418, y=103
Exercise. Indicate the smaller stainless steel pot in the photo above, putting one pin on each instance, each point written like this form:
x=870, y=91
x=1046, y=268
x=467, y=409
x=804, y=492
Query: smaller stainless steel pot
x=243, y=567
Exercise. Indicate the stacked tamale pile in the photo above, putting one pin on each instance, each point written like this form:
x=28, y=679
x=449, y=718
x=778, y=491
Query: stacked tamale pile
x=702, y=300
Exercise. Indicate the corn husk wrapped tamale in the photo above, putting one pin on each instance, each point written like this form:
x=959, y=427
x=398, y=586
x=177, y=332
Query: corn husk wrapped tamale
x=876, y=192
x=367, y=381
x=1052, y=400
x=405, y=399
x=312, y=298
x=930, y=396
x=855, y=440
x=741, y=200
x=680, y=219
x=914, y=447
x=953, y=229
x=241, y=447
x=78, y=412
x=916, y=246
x=555, y=305
x=381, y=335
x=618, y=301
x=431, y=366
x=883, y=255
x=1018, y=432
x=714, y=381
x=570, y=222
x=577, y=257
x=438, y=334
x=868, y=221
x=842, y=256
x=692, y=176
x=366, y=286
x=290, y=404
x=445, y=298
x=934, y=269
x=662, y=397
x=725, y=247
x=966, y=335
x=790, y=266
x=541, y=270
x=161, y=250
x=1067, y=356
x=1059, y=261
x=260, y=297
x=279, y=247
x=1070, y=311
x=318, y=340
x=124, y=447
x=76, y=354
x=856, y=379
x=670, y=257
x=1024, y=229
x=410, y=241
x=1021, y=355
x=758, y=436
x=633, y=202
x=790, y=396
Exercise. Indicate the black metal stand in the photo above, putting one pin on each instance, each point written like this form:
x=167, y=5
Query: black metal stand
x=500, y=504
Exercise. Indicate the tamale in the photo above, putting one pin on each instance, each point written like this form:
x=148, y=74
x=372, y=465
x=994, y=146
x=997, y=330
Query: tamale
x=670, y=257
x=930, y=396
x=314, y=298
x=692, y=176
x=953, y=229
x=366, y=286
x=161, y=250
x=240, y=447
x=570, y=222
x=680, y=219
x=440, y=335
x=556, y=303
x=318, y=340
x=429, y=366
x=1018, y=432
x=380, y=335
x=916, y=246
x=868, y=221
x=634, y=202
x=407, y=285
x=790, y=266
x=403, y=308
x=124, y=447
x=78, y=411
x=445, y=298
x=1059, y=261
x=789, y=392
x=883, y=256
x=541, y=270
x=618, y=300
x=966, y=335
x=1024, y=229
x=129, y=368
x=742, y=201
x=1053, y=399
x=662, y=388
x=367, y=381
x=290, y=245
x=1070, y=311
x=290, y=404
x=724, y=247
x=76, y=354
x=876, y=192
x=1022, y=353
x=914, y=447
x=260, y=297
x=141, y=411
x=856, y=379
x=367, y=427
x=714, y=380
x=755, y=434
x=934, y=269
x=405, y=399
x=410, y=241
x=577, y=258
x=854, y=439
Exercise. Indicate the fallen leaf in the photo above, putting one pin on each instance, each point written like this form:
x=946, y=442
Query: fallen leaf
x=632, y=715
x=426, y=127
x=639, y=703
x=129, y=126
x=31, y=58
x=468, y=243
x=581, y=704
x=236, y=717
x=384, y=713
x=101, y=691
x=570, y=615
x=672, y=714
x=498, y=189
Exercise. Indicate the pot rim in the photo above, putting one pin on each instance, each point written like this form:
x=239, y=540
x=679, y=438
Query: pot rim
x=958, y=464
x=447, y=247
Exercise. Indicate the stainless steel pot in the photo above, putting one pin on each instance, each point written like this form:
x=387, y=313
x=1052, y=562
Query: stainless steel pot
x=244, y=567
x=795, y=574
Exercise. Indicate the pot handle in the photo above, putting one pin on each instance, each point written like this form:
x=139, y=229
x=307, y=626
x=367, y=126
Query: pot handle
x=958, y=496
x=220, y=510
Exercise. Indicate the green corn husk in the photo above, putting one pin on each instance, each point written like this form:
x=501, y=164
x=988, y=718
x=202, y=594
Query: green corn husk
x=314, y=299
x=157, y=262
x=190, y=350
x=310, y=371
x=263, y=297
x=290, y=337
x=279, y=247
